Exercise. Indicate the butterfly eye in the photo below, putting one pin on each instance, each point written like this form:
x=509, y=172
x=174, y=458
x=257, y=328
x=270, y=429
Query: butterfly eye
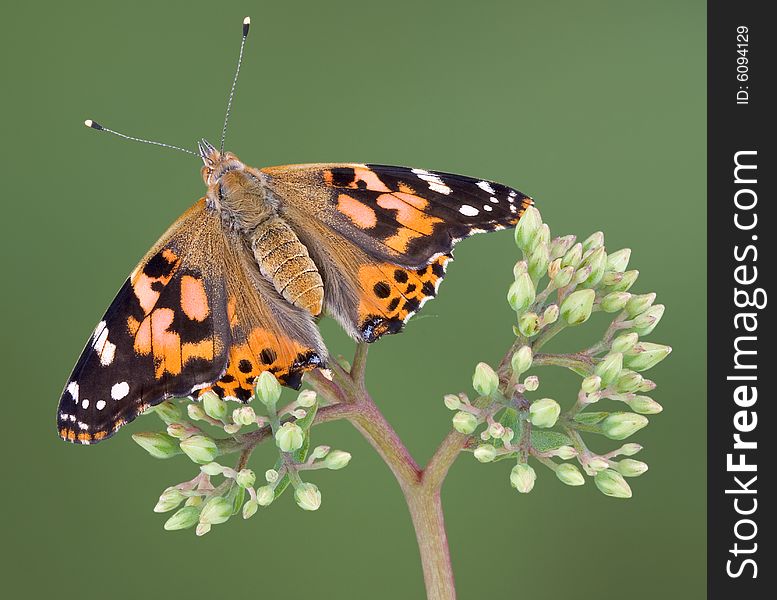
x=220, y=192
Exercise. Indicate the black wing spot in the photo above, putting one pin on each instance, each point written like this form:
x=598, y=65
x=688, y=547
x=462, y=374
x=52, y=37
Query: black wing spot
x=411, y=288
x=268, y=356
x=428, y=289
x=158, y=266
x=243, y=394
x=438, y=269
x=382, y=289
x=411, y=305
x=400, y=276
x=245, y=366
x=343, y=176
x=392, y=306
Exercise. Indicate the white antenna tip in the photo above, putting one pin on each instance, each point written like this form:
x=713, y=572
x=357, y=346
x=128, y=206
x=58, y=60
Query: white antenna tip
x=246, y=25
x=88, y=122
x=247, y=21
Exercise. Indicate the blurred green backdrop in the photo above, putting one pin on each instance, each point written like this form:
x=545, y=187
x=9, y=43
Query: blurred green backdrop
x=597, y=109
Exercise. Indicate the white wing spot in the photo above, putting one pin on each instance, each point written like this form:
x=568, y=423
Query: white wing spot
x=435, y=182
x=487, y=208
x=82, y=425
x=105, y=349
x=486, y=187
x=513, y=209
x=494, y=200
x=119, y=390
x=72, y=389
x=100, y=404
x=469, y=211
x=84, y=403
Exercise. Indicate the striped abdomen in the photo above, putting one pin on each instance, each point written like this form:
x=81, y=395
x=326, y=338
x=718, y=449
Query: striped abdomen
x=285, y=261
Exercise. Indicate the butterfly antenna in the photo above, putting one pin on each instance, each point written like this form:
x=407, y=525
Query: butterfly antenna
x=95, y=125
x=246, y=25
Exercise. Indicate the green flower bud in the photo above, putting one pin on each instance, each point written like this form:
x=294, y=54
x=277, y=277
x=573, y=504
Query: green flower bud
x=200, y=449
x=631, y=468
x=619, y=426
x=216, y=510
x=265, y=495
x=520, y=268
x=527, y=227
x=542, y=237
x=232, y=428
x=337, y=459
x=306, y=398
x=582, y=273
x=647, y=321
x=496, y=430
x=168, y=412
x=609, y=368
x=529, y=324
x=193, y=501
x=639, y=303
x=544, y=412
x=202, y=529
x=593, y=241
x=597, y=463
x=308, y=496
x=244, y=415
x=624, y=342
x=521, y=360
x=246, y=478
x=508, y=435
x=268, y=389
x=647, y=385
x=179, y=431
x=250, y=508
x=618, y=261
x=169, y=500
x=611, y=483
x=614, y=301
x=538, y=261
x=299, y=413
x=620, y=282
x=628, y=382
x=564, y=277
x=522, y=478
x=195, y=412
x=485, y=453
x=465, y=422
x=452, y=401
x=565, y=452
x=158, y=445
x=629, y=449
x=570, y=474
x=577, y=307
x=289, y=437
x=212, y=468
x=550, y=315
x=485, y=381
x=597, y=261
x=591, y=384
x=560, y=246
x=646, y=355
x=644, y=405
x=531, y=383
x=521, y=294
x=320, y=452
x=271, y=475
x=214, y=406
x=554, y=267
x=573, y=256
x=183, y=519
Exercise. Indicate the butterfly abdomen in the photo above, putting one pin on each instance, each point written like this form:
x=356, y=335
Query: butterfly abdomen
x=285, y=261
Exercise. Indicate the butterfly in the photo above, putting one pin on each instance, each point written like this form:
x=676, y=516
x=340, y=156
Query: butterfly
x=236, y=285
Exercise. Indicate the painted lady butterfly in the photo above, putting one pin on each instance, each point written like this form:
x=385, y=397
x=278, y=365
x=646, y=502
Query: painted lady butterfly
x=236, y=284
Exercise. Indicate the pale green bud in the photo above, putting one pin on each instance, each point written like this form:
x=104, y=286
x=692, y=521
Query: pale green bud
x=629, y=449
x=570, y=474
x=614, y=301
x=337, y=459
x=561, y=245
x=250, y=508
x=542, y=237
x=212, y=468
x=271, y=475
x=577, y=307
x=593, y=241
x=183, y=518
x=200, y=449
x=624, y=342
x=538, y=261
x=631, y=468
x=306, y=398
x=485, y=453
x=168, y=412
x=179, y=431
x=452, y=401
x=508, y=435
x=465, y=422
x=202, y=529
x=554, y=267
x=573, y=256
x=496, y=430
x=648, y=385
x=320, y=452
x=527, y=227
x=521, y=360
x=544, y=412
x=268, y=389
x=628, y=382
x=485, y=381
x=521, y=294
x=639, y=303
x=531, y=383
x=597, y=261
x=618, y=261
x=265, y=495
x=195, y=412
x=619, y=426
x=232, y=428
x=550, y=315
x=529, y=324
x=289, y=437
x=158, y=445
x=193, y=501
x=597, y=463
x=644, y=405
x=169, y=500
x=564, y=277
x=647, y=321
x=216, y=510
x=582, y=273
x=214, y=406
x=299, y=413
x=609, y=368
x=591, y=384
x=646, y=355
x=520, y=268
x=621, y=282
x=522, y=478
x=246, y=478
x=611, y=483
x=308, y=496
x=565, y=452
x=244, y=415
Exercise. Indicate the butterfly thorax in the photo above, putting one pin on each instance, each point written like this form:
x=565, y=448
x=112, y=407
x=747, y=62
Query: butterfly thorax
x=238, y=195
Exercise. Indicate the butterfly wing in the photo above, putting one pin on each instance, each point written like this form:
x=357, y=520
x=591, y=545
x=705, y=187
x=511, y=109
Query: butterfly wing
x=177, y=325
x=402, y=224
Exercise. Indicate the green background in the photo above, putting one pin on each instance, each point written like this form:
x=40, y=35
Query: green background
x=597, y=109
